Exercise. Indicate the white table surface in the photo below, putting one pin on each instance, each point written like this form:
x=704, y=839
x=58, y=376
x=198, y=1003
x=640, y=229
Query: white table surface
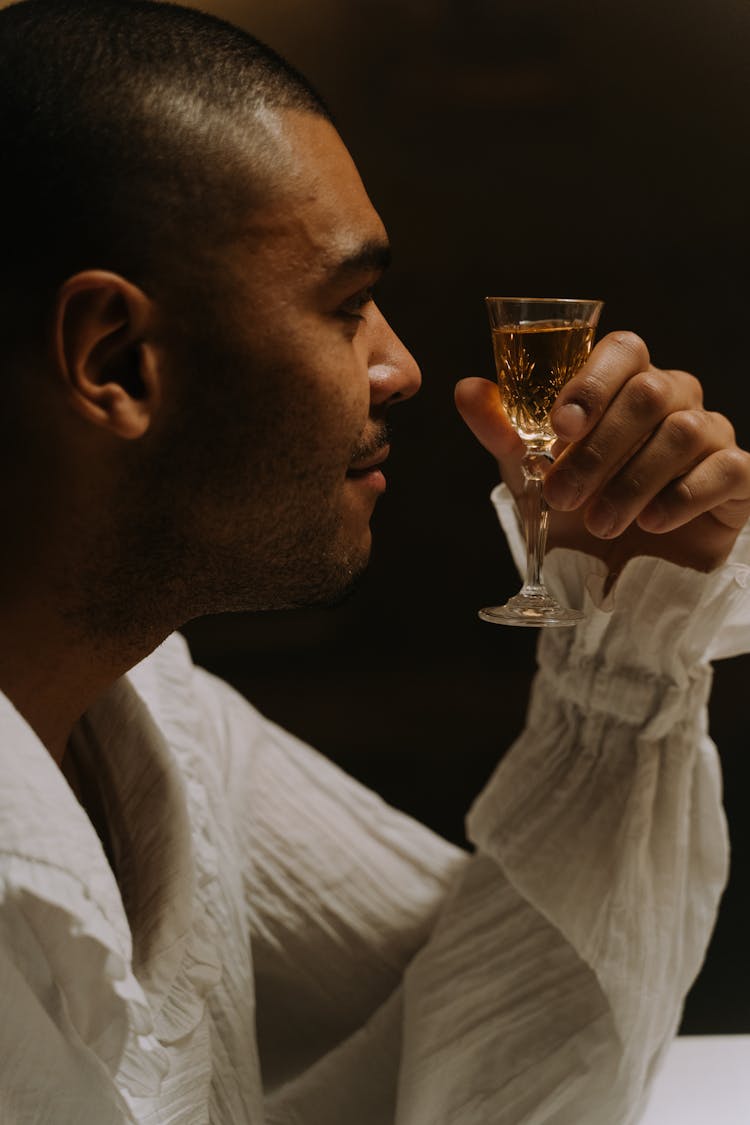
x=705, y=1080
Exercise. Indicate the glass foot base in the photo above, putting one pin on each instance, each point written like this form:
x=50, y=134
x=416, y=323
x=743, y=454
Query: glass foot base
x=533, y=610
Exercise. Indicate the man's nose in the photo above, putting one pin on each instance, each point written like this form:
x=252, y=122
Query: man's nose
x=394, y=373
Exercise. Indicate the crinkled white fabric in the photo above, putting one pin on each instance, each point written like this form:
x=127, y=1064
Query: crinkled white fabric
x=271, y=913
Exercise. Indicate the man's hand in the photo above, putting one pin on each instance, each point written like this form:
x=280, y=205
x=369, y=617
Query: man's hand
x=641, y=468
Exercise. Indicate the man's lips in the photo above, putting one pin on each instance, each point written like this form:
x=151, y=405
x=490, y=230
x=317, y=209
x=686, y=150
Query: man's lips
x=368, y=464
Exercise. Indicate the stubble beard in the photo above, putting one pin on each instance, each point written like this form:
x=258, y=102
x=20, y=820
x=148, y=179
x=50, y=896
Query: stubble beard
x=312, y=570
x=158, y=567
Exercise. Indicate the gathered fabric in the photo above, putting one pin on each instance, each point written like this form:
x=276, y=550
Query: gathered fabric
x=280, y=947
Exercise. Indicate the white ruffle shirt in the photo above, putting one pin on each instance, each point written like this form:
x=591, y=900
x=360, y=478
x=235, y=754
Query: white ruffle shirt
x=282, y=948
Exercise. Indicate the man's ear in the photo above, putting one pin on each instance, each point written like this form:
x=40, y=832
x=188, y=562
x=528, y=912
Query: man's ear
x=103, y=352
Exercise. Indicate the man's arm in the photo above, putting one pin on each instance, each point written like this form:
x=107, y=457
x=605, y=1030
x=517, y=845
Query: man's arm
x=538, y=980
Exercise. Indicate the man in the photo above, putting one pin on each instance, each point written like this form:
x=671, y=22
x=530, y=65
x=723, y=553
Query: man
x=200, y=919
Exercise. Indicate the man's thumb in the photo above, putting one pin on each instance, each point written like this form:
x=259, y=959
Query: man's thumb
x=479, y=404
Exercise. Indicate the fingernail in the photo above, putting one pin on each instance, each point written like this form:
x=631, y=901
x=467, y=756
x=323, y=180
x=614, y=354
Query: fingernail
x=653, y=517
x=562, y=489
x=569, y=421
x=601, y=519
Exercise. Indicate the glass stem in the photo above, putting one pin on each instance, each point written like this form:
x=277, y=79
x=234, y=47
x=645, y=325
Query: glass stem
x=535, y=516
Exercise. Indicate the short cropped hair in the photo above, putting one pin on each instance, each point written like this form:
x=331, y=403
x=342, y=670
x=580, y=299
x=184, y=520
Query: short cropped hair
x=111, y=115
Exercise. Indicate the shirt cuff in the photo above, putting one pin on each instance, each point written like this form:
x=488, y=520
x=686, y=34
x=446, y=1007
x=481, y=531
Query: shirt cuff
x=659, y=619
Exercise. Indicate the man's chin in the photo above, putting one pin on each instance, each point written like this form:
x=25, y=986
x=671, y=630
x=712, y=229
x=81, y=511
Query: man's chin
x=323, y=584
x=339, y=584
x=338, y=596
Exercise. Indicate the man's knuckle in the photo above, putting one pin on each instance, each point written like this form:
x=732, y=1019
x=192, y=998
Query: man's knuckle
x=649, y=394
x=734, y=465
x=682, y=496
x=687, y=430
x=588, y=392
x=692, y=387
x=625, y=488
x=724, y=427
x=589, y=459
x=633, y=346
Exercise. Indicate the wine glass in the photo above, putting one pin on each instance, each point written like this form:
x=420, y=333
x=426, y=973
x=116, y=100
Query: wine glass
x=539, y=345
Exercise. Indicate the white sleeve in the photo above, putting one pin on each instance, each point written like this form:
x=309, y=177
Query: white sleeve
x=539, y=980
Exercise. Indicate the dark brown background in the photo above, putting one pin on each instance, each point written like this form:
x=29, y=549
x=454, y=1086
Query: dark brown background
x=541, y=146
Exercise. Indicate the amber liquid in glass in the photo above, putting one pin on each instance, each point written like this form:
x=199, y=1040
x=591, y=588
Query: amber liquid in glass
x=534, y=362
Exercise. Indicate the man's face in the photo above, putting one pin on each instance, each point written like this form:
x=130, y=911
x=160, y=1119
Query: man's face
x=289, y=383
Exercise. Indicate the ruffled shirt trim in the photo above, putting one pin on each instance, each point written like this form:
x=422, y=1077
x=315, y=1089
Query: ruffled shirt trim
x=163, y=684
x=126, y=1020
x=103, y=1002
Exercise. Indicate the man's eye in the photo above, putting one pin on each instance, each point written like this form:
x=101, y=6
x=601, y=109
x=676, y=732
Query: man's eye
x=354, y=306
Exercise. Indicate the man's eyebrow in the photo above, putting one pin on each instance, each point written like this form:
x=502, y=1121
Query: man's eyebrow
x=370, y=257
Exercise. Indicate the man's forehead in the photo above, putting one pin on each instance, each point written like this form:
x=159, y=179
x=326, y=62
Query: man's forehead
x=315, y=207
x=333, y=244
x=333, y=249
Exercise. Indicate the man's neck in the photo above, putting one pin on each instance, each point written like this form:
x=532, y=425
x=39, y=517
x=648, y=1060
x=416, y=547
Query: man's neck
x=52, y=674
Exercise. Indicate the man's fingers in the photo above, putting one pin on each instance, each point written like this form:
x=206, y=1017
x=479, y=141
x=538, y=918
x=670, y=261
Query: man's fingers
x=480, y=406
x=651, y=404
x=684, y=440
x=583, y=400
x=720, y=484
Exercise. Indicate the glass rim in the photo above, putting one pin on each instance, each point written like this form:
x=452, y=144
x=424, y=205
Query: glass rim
x=551, y=300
